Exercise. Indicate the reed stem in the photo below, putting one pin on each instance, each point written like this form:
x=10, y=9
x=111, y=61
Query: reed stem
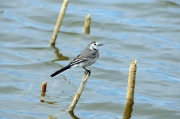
x=43, y=91
x=131, y=80
x=59, y=22
x=79, y=92
x=87, y=24
x=130, y=90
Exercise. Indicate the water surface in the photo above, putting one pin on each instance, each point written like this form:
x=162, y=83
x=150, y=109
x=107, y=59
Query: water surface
x=146, y=30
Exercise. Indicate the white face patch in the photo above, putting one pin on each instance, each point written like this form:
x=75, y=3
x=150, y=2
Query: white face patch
x=94, y=46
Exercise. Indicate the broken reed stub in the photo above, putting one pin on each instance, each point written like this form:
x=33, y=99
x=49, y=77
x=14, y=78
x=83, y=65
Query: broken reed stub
x=43, y=87
x=59, y=22
x=79, y=92
x=87, y=24
x=43, y=91
x=131, y=80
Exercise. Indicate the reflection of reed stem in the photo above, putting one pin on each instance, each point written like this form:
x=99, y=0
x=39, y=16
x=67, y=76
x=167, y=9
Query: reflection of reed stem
x=87, y=24
x=52, y=117
x=43, y=91
x=79, y=92
x=130, y=90
x=72, y=115
x=59, y=21
x=58, y=55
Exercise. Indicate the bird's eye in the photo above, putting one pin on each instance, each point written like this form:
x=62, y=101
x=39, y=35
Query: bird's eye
x=94, y=43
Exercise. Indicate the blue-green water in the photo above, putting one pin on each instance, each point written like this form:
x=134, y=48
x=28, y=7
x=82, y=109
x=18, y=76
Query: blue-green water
x=146, y=30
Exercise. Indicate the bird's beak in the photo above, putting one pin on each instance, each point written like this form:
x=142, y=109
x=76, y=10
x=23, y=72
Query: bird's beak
x=99, y=44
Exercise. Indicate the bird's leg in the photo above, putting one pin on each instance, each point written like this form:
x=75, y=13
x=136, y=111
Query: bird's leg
x=87, y=71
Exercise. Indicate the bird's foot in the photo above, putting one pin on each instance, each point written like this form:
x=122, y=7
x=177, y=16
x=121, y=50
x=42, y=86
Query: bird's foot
x=87, y=71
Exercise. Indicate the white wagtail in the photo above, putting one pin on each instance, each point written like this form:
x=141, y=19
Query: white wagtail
x=87, y=57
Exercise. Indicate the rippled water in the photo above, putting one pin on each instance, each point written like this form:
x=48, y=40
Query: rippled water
x=146, y=30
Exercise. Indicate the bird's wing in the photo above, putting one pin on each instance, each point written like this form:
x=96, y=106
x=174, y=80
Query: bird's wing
x=80, y=59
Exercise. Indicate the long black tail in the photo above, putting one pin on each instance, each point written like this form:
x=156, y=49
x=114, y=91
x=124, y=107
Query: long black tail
x=60, y=71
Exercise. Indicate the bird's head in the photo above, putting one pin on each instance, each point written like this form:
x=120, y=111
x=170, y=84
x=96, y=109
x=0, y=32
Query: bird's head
x=94, y=45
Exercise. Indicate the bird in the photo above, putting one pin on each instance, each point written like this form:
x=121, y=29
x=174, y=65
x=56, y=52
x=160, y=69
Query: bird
x=86, y=58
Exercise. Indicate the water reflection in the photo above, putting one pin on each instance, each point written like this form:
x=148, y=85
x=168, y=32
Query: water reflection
x=52, y=117
x=59, y=55
x=73, y=116
x=146, y=30
x=57, y=115
x=43, y=94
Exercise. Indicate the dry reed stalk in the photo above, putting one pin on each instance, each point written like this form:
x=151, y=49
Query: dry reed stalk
x=59, y=22
x=43, y=91
x=130, y=90
x=79, y=92
x=87, y=24
x=131, y=80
